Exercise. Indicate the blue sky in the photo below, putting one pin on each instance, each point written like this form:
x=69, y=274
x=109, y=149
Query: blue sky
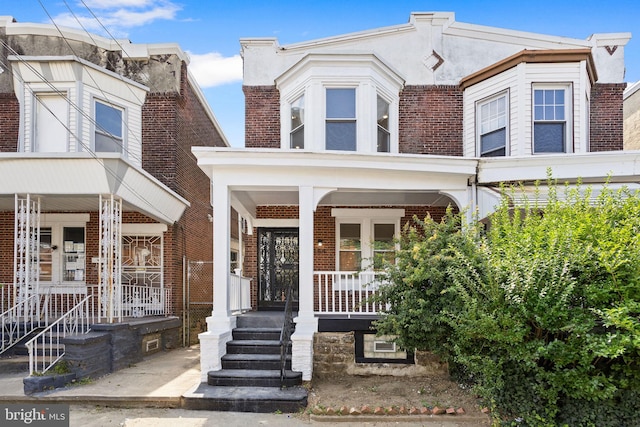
x=209, y=30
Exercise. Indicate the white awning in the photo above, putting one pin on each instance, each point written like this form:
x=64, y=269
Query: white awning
x=73, y=181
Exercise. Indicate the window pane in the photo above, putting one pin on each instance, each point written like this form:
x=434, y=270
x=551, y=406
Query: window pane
x=341, y=103
x=350, y=236
x=383, y=236
x=45, y=255
x=383, y=140
x=297, y=112
x=108, y=119
x=349, y=261
x=492, y=143
x=73, y=261
x=539, y=113
x=52, y=117
x=107, y=144
x=538, y=97
x=549, y=137
x=383, y=113
x=297, y=138
x=341, y=136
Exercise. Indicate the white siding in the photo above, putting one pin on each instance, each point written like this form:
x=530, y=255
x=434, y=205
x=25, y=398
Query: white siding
x=520, y=81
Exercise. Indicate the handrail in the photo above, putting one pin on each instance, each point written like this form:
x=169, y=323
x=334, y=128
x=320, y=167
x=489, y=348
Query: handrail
x=285, y=334
x=13, y=330
x=76, y=321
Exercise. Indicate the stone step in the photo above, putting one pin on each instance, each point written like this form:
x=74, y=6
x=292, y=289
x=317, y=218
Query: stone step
x=257, y=333
x=254, y=347
x=14, y=364
x=261, y=319
x=254, y=361
x=253, y=378
x=246, y=399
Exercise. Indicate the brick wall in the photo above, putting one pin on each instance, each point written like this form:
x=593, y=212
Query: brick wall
x=607, y=118
x=262, y=117
x=431, y=120
x=6, y=247
x=9, y=122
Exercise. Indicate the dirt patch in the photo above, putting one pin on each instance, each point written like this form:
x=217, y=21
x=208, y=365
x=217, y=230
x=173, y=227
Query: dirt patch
x=385, y=391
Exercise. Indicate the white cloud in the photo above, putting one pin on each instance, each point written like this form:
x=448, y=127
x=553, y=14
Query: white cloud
x=213, y=69
x=117, y=15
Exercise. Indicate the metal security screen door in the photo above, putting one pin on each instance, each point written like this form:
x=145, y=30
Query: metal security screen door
x=278, y=266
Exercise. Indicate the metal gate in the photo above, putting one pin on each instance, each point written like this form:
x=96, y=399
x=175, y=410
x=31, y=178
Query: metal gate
x=198, y=299
x=278, y=264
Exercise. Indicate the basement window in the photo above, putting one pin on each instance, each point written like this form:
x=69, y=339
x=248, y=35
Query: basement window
x=371, y=348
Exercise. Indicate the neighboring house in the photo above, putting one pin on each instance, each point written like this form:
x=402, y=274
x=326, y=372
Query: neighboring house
x=349, y=137
x=99, y=191
x=631, y=111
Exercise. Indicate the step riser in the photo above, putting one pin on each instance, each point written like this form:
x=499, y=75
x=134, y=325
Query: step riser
x=252, y=364
x=256, y=406
x=253, y=382
x=253, y=349
x=256, y=336
x=260, y=321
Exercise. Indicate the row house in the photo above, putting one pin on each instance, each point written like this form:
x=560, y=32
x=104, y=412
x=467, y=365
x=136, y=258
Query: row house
x=100, y=194
x=349, y=137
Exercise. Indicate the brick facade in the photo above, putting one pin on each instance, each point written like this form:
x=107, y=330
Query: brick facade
x=607, y=120
x=262, y=117
x=431, y=120
x=9, y=122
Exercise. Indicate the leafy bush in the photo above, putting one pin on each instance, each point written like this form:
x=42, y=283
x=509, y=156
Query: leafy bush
x=542, y=311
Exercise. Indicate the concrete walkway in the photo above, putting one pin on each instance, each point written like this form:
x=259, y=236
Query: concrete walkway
x=150, y=393
x=159, y=380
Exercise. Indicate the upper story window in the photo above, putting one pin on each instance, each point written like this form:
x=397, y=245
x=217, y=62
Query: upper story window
x=51, y=123
x=384, y=137
x=340, y=129
x=297, y=123
x=68, y=112
x=492, y=126
x=340, y=102
x=533, y=102
x=550, y=114
x=108, y=128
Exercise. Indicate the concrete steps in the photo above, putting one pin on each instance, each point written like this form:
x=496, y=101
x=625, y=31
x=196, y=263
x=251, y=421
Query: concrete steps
x=250, y=380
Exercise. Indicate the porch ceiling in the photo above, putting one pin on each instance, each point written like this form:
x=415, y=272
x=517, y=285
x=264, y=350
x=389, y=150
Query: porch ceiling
x=73, y=182
x=345, y=197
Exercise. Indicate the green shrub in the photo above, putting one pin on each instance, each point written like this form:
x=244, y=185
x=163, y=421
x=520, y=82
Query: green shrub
x=542, y=311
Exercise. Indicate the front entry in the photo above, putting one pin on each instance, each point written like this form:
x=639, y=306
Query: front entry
x=278, y=263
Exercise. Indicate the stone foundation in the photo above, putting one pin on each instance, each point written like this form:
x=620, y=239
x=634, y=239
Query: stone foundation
x=334, y=355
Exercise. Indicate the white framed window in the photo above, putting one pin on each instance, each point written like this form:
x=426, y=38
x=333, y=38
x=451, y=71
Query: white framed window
x=51, y=130
x=492, y=123
x=341, y=123
x=62, y=255
x=384, y=135
x=365, y=238
x=109, y=128
x=551, y=118
x=297, y=123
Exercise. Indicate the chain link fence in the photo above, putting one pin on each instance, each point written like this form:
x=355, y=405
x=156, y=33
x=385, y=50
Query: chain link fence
x=198, y=299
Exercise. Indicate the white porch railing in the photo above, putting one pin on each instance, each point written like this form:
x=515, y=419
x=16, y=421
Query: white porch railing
x=139, y=301
x=346, y=292
x=19, y=321
x=239, y=293
x=46, y=348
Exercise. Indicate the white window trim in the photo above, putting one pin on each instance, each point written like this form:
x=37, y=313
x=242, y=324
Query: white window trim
x=478, y=105
x=312, y=75
x=367, y=218
x=568, y=114
x=125, y=128
x=57, y=223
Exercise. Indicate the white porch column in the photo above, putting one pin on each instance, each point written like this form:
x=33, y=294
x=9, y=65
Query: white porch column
x=220, y=324
x=306, y=323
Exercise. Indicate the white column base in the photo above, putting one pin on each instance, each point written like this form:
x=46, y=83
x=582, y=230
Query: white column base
x=213, y=343
x=302, y=346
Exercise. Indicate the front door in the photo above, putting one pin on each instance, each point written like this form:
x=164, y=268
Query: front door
x=278, y=267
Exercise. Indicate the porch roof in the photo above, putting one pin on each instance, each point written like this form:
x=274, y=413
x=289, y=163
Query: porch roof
x=273, y=176
x=73, y=181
